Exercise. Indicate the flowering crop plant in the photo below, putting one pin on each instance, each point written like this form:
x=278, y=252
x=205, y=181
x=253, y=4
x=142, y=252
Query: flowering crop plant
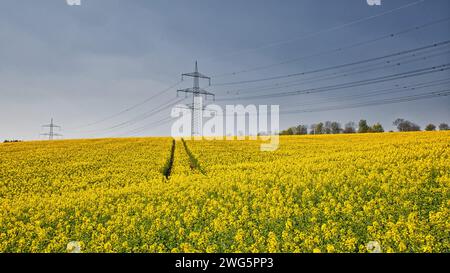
x=323, y=193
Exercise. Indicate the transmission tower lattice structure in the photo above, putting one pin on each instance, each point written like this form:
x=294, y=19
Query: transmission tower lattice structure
x=51, y=134
x=197, y=104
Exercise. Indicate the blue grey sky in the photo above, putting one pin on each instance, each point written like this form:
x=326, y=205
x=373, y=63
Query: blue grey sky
x=80, y=64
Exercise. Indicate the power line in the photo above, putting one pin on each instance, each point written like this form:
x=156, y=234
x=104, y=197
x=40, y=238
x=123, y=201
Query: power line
x=443, y=93
x=312, y=34
x=397, y=89
x=434, y=45
x=346, y=73
x=131, y=107
x=339, y=49
x=141, y=117
x=413, y=73
x=150, y=125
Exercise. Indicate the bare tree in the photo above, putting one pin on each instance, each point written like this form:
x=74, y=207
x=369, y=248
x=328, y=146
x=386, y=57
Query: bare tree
x=406, y=125
x=443, y=127
x=312, y=129
x=350, y=128
x=327, y=127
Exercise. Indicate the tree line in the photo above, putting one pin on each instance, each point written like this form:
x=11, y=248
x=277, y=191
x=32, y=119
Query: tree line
x=334, y=127
x=11, y=141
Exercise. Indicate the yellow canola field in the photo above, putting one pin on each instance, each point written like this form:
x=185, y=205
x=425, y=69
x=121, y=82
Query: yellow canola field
x=330, y=193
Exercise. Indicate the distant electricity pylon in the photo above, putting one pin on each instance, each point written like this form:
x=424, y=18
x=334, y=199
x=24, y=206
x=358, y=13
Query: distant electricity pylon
x=197, y=105
x=51, y=134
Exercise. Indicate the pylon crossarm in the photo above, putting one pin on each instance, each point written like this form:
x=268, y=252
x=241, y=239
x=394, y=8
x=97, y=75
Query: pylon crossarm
x=180, y=107
x=195, y=75
x=204, y=92
x=195, y=91
x=187, y=90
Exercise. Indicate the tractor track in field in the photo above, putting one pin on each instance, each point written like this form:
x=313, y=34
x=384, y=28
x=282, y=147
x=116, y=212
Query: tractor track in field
x=195, y=164
x=193, y=161
x=169, y=164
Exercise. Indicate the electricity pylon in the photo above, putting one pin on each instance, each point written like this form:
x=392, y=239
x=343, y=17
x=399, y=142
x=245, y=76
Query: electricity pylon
x=197, y=105
x=51, y=134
